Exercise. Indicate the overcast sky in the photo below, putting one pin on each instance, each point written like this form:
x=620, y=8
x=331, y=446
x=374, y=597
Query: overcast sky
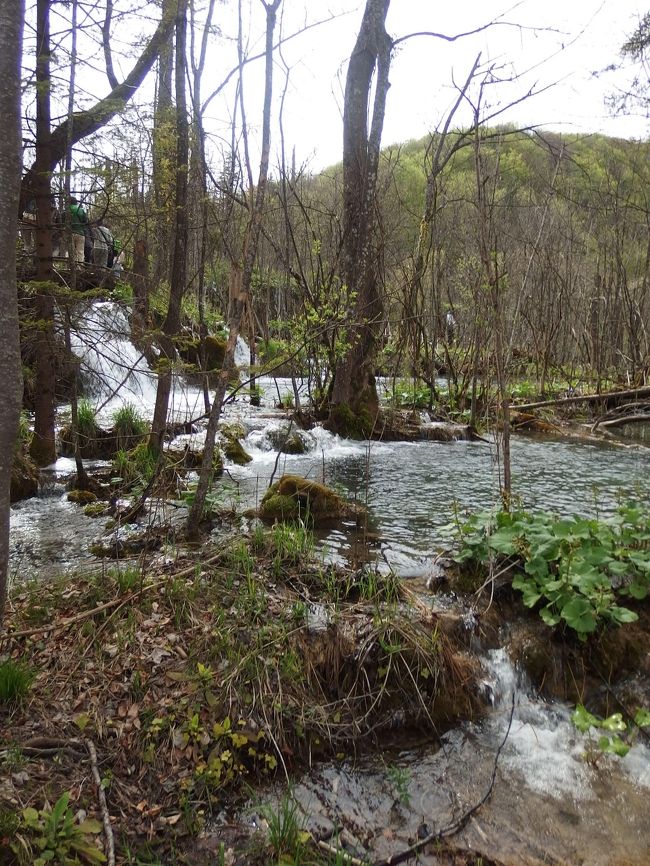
x=561, y=45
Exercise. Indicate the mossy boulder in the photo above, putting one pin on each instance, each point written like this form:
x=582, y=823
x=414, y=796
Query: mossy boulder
x=95, y=509
x=235, y=451
x=215, y=350
x=24, y=476
x=98, y=444
x=81, y=497
x=296, y=498
x=232, y=448
x=286, y=440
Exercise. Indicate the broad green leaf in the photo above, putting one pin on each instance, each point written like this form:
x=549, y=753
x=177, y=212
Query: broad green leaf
x=622, y=614
x=579, y=614
x=502, y=540
x=549, y=616
x=613, y=746
x=90, y=825
x=642, y=718
x=613, y=723
x=583, y=719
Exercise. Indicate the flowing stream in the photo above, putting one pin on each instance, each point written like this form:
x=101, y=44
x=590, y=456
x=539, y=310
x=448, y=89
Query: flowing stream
x=548, y=804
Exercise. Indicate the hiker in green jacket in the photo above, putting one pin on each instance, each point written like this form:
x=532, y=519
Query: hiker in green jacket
x=79, y=227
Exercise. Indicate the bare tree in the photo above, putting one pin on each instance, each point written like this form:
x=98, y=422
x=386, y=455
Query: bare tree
x=11, y=388
x=240, y=279
x=354, y=394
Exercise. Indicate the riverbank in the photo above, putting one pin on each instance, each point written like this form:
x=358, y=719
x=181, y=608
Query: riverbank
x=183, y=686
x=156, y=703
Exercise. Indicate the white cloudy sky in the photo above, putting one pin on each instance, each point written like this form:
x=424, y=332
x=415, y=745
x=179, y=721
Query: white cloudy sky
x=563, y=46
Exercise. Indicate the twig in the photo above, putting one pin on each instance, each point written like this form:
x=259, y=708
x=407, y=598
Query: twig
x=106, y=818
x=456, y=826
x=340, y=853
x=28, y=632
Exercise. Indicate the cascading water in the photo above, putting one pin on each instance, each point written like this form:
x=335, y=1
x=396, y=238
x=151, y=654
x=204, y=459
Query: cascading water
x=115, y=372
x=547, y=803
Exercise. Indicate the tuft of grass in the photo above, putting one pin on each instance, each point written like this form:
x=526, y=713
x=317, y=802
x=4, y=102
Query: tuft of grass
x=15, y=681
x=86, y=421
x=129, y=426
x=285, y=833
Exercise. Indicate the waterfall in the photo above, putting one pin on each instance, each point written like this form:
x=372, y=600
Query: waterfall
x=114, y=372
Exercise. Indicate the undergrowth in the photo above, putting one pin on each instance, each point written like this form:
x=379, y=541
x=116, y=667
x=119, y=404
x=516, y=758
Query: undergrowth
x=581, y=572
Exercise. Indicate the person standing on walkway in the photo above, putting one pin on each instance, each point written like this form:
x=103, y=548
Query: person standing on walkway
x=79, y=227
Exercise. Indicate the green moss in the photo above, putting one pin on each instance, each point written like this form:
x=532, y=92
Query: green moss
x=235, y=451
x=352, y=425
x=95, y=509
x=81, y=497
x=293, y=497
x=278, y=507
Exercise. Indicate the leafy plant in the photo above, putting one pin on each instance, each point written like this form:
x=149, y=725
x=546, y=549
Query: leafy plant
x=135, y=466
x=53, y=835
x=616, y=735
x=573, y=569
x=15, y=680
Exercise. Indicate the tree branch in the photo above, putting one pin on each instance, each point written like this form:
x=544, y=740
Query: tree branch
x=84, y=123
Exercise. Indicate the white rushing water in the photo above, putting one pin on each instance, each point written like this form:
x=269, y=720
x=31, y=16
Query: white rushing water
x=115, y=372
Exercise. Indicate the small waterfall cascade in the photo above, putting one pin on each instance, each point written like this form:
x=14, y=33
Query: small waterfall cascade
x=242, y=353
x=115, y=372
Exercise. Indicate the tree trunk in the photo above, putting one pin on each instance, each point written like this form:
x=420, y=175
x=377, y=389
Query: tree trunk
x=354, y=403
x=43, y=446
x=178, y=282
x=94, y=118
x=240, y=283
x=11, y=385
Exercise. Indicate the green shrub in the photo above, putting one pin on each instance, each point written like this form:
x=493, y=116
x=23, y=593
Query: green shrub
x=129, y=426
x=86, y=421
x=135, y=466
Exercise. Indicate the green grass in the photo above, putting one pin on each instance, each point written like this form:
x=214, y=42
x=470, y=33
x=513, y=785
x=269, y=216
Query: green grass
x=15, y=681
x=86, y=422
x=128, y=425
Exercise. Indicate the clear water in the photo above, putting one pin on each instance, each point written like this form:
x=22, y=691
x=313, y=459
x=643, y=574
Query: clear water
x=411, y=490
x=415, y=489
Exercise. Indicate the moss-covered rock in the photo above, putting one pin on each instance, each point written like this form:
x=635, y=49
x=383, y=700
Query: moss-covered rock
x=81, y=497
x=24, y=476
x=296, y=498
x=235, y=451
x=95, y=509
x=232, y=448
x=98, y=444
x=215, y=350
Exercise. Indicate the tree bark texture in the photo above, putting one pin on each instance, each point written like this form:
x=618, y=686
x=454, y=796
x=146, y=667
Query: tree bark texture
x=178, y=279
x=11, y=386
x=354, y=382
x=43, y=446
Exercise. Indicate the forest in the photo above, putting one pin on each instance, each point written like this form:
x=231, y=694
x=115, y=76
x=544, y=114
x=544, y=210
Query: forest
x=324, y=494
